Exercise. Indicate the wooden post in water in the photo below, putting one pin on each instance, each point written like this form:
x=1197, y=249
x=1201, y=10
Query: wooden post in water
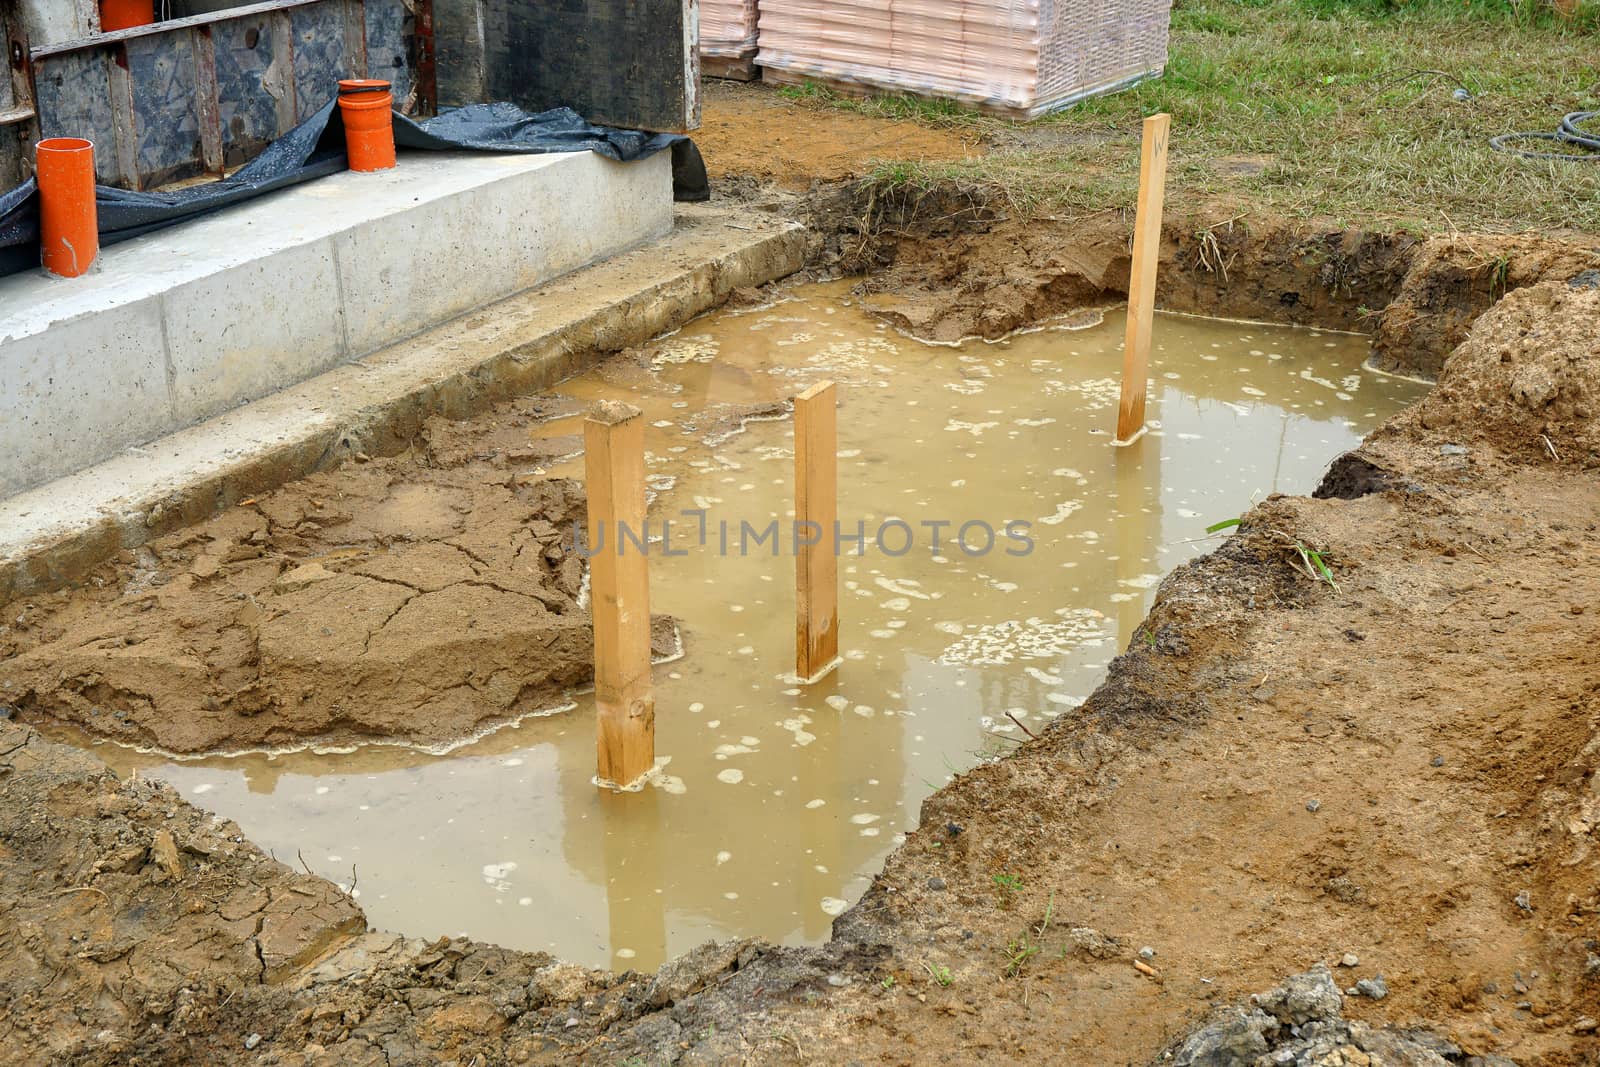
x=619, y=592
x=816, y=513
x=1142, y=279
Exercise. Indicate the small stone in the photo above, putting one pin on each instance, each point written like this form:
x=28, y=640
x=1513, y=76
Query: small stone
x=1349, y=959
x=1092, y=942
x=1519, y=986
x=936, y=884
x=1576, y=609
x=301, y=577
x=1533, y=386
x=1374, y=987
x=1491, y=988
x=1147, y=953
x=1437, y=761
x=1452, y=450
x=1264, y=693
x=1524, y=900
x=1313, y=805
x=1302, y=999
x=252, y=1041
x=165, y=851
x=1584, y=1025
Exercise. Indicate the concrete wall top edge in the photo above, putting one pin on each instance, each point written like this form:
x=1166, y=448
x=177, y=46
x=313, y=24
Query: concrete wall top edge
x=150, y=266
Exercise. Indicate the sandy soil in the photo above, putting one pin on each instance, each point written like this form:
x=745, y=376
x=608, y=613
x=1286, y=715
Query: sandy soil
x=752, y=132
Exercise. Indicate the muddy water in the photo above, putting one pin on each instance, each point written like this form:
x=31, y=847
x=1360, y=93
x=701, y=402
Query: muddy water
x=778, y=801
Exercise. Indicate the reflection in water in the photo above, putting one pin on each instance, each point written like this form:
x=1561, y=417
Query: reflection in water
x=778, y=802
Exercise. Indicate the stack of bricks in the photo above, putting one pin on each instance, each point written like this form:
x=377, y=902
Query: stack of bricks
x=1020, y=58
x=728, y=29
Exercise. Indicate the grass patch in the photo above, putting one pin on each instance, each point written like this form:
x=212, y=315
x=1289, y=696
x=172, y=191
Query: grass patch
x=1334, y=108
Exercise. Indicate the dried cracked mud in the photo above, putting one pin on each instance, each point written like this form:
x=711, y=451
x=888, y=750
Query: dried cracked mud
x=419, y=598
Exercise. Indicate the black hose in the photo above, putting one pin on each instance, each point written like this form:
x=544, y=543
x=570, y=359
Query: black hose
x=1570, y=130
x=1569, y=133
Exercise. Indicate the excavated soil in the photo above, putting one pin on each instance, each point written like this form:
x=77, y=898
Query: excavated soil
x=945, y=266
x=1398, y=778
x=418, y=598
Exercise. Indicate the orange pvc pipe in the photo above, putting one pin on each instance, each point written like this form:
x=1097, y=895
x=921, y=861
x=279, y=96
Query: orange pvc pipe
x=366, y=106
x=125, y=14
x=69, y=227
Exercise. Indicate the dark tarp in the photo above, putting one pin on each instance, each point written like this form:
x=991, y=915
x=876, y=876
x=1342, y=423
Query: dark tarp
x=316, y=147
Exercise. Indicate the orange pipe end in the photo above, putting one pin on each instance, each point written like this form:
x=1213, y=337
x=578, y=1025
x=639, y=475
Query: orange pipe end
x=367, y=108
x=69, y=227
x=125, y=14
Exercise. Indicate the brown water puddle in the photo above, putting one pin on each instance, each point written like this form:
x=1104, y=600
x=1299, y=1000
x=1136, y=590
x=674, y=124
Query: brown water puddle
x=777, y=802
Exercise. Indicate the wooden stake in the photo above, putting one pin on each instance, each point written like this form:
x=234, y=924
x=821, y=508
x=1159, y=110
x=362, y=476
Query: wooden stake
x=1142, y=280
x=816, y=513
x=619, y=593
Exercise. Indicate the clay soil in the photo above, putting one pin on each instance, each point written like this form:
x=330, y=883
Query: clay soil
x=1402, y=772
x=418, y=598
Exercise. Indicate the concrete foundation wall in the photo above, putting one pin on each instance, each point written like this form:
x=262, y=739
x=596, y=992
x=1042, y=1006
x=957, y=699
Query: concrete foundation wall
x=186, y=323
x=53, y=21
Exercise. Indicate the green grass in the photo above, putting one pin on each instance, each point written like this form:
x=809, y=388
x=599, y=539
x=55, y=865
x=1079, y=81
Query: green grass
x=1311, y=108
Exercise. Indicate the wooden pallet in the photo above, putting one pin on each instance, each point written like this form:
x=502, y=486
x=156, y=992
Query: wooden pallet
x=855, y=90
x=739, y=70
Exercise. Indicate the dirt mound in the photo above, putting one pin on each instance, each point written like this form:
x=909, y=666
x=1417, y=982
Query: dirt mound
x=416, y=598
x=1452, y=279
x=1527, y=378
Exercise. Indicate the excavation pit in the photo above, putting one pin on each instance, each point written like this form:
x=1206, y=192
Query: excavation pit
x=434, y=596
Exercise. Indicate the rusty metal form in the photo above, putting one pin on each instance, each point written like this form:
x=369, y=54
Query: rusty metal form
x=202, y=95
x=422, y=59
x=18, y=125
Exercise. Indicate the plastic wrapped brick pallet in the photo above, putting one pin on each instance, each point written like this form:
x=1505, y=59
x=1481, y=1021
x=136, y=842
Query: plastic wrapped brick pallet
x=1015, y=57
x=728, y=28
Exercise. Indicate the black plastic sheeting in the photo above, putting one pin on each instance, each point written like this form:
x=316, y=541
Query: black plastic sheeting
x=316, y=148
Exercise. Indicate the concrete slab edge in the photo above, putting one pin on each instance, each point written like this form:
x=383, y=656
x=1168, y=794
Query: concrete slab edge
x=55, y=534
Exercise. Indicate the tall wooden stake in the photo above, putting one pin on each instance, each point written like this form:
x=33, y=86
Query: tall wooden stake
x=619, y=593
x=1142, y=281
x=816, y=512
